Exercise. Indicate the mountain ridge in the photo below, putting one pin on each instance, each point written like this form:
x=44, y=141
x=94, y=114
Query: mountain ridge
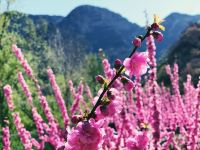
x=87, y=28
x=186, y=53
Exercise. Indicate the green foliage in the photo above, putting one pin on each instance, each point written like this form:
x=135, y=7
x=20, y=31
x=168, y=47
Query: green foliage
x=20, y=29
x=87, y=71
x=186, y=54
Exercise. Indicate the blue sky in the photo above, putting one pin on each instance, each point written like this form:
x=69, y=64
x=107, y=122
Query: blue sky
x=133, y=10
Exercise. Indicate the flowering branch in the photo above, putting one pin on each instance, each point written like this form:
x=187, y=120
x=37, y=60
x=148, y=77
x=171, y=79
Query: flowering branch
x=106, y=88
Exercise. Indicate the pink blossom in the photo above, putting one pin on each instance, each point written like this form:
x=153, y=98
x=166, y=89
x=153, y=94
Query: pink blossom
x=72, y=89
x=58, y=96
x=151, y=48
x=137, y=64
x=139, y=142
x=18, y=53
x=6, y=138
x=107, y=70
x=38, y=122
x=46, y=109
x=147, y=118
x=27, y=68
x=85, y=136
x=77, y=99
x=168, y=70
x=25, y=88
x=118, y=63
x=128, y=84
x=7, y=93
x=113, y=108
x=131, y=144
x=100, y=79
x=88, y=93
x=24, y=135
x=76, y=118
x=53, y=128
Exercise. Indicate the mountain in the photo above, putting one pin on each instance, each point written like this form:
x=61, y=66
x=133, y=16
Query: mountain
x=87, y=28
x=186, y=53
x=48, y=18
x=175, y=24
x=100, y=28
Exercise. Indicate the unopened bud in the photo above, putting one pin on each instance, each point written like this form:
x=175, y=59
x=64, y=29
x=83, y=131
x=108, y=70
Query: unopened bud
x=124, y=80
x=155, y=26
x=104, y=110
x=118, y=64
x=100, y=79
x=158, y=36
x=136, y=42
x=110, y=95
x=76, y=119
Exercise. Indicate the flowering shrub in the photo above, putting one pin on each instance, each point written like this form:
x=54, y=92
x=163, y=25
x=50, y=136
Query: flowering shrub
x=124, y=114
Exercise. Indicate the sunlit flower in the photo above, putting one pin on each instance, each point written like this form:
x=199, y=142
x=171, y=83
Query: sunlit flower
x=85, y=136
x=137, y=64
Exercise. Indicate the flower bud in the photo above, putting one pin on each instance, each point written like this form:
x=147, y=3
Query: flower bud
x=123, y=113
x=104, y=110
x=158, y=36
x=155, y=26
x=76, y=119
x=100, y=79
x=110, y=95
x=118, y=64
x=62, y=147
x=124, y=80
x=137, y=42
x=128, y=84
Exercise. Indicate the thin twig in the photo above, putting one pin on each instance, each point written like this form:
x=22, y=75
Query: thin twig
x=115, y=77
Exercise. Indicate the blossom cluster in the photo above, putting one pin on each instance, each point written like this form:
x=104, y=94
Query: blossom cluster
x=125, y=115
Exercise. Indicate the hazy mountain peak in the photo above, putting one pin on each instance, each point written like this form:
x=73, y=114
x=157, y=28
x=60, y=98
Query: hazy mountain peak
x=93, y=15
x=100, y=28
x=180, y=15
x=88, y=28
x=177, y=14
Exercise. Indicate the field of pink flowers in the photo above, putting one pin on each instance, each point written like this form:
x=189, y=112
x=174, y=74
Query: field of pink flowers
x=126, y=115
